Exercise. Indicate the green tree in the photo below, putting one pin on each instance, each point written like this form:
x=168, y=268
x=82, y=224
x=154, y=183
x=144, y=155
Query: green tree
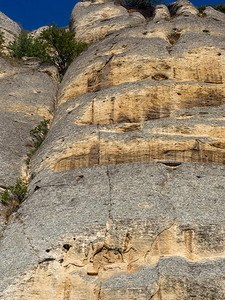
x=61, y=46
x=27, y=45
x=39, y=133
x=220, y=7
x=56, y=45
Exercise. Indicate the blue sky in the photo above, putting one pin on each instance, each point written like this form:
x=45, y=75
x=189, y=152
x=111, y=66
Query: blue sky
x=31, y=14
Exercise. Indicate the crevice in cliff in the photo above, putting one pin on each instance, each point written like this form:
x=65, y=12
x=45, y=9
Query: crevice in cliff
x=100, y=291
x=46, y=260
x=99, y=143
x=3, y=187
x=153, y=295
x=158, y=289
x=100, y=79
x=145, y=10
x=173, y=37
x=110, y=193
x=157, y=236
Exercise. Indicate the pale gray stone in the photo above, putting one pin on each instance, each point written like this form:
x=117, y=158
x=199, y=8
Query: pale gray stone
x=10, y=28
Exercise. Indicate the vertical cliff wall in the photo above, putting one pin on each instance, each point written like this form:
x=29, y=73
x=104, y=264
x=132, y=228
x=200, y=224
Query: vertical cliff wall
x=127, y=193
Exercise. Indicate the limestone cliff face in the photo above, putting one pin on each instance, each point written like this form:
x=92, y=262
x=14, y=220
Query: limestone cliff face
x=151, y=92
x=10, y=29
x=27, y=96
x=127, y=193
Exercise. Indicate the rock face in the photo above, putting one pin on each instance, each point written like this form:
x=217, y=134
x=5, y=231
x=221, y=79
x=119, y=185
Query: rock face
x=137, y=230
x=27, y=97
x=127, y=191
x=93, y=20
x=10, y=28
x=153, y=92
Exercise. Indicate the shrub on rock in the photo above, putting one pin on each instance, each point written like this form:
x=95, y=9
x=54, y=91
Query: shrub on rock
x=55, y=45
x=13, y=196
x=61, y=46
x=26, y=45
x=1, y=41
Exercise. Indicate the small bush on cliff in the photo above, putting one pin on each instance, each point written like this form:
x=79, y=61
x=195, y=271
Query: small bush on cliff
x=1, y=41
x=13, y=196
x=55, y=45
x=38, y=135
x=220, y=7
x=26, y=45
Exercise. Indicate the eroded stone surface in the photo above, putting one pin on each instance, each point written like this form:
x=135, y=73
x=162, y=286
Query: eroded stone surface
x=182, y=7
x=133, y=55
x=124, y=227
x=107, y=223
x=10, y=28
x=103, y=129
x=92, y=21
x=27, y=97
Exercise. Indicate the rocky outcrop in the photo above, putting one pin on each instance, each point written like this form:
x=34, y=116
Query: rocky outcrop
x=27, y=97
x=142, y=94
x=36, y=33
x=126, y=197
x=133, y=229
x=10, y=28
x=93, y=20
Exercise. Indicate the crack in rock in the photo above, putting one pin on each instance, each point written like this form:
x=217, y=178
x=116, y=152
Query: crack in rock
x=167, y=228
x=110, y=193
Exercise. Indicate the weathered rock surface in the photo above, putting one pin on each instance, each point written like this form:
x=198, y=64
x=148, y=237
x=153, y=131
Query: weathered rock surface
x=10, y=28
x=214, y=14
x=138, y=75
x=109, y=222
x=182, y=7
x=92, y=21
x=27, y=97
x=183, y=49
x=78, y=138
x=127, y=191
x=35, y=33
x=161, y=12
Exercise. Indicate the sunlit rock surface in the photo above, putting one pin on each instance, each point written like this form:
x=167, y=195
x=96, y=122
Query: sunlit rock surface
x=9, y=28
x=127, y=193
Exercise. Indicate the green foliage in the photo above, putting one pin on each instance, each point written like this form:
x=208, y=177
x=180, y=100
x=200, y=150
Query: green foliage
x=61, y=46
x=140, y=3
x=14, y=194
x=220, y=7
x=1, y=41
x=27, y=45
x=201, y=8
x=38, y=135
x=55, y=45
